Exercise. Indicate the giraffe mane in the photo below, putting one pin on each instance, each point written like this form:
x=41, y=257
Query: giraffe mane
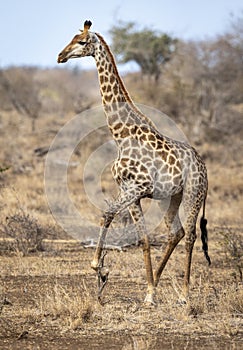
x=126, y=94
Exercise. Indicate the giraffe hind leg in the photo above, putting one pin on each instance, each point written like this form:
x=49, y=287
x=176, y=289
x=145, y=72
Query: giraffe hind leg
x=176, y=233
x=191, y=208
x=138, y=218
x=190, y=240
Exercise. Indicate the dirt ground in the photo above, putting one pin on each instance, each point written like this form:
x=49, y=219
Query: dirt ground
x=49, y=300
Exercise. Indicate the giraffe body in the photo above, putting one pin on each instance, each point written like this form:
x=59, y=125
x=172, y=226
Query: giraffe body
x=148, y=164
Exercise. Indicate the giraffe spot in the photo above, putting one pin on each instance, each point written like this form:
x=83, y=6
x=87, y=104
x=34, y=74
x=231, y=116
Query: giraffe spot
x=112, y=79
x=124, y=161
x=146, y=160
x=125, y=132
x=140, y=177
x=134, y=129
x=108, y=98
x=108, y=88
x=151, y=138
x=101, y=70
x=153, y=144
x=112, y=119
x=101, y=78
x=144, y=151
x=129, y=120
x=132, y=163
x=117, y=126
x=178, y=164
x=125, y=173
x=126, y=152
x=121, y=99
x=130, y=176
x=126, y=143
x=108, y=108
x=171, y=160
x=143, y=169
x=119, y=169
x=143, y=137
x=115, y=90
x=144, y=129
x=166, y=147
x=176, y=171
x=164, y=155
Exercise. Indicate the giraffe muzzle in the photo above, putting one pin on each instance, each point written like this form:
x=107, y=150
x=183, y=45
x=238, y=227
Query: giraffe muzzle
x=61, y=59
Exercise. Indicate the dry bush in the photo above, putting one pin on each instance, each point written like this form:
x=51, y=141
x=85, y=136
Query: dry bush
x=231, y=300
x=26, y=232
x=233, y=248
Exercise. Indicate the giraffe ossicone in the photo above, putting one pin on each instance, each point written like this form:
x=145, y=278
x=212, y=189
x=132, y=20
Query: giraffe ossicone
x=149, y=164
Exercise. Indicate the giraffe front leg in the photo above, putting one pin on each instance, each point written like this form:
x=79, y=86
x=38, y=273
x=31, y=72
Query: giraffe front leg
x=189, y=248
x=102, y=271
x=105, y=223
x=97, y=263
x=98, y=260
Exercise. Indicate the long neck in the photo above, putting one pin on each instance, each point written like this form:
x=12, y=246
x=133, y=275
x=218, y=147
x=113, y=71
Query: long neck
x=118, y=105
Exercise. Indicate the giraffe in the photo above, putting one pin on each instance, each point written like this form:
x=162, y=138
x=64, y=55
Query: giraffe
x=148, y=165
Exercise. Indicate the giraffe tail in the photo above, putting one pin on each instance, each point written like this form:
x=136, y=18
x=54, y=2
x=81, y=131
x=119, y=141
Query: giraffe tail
x=204, y=234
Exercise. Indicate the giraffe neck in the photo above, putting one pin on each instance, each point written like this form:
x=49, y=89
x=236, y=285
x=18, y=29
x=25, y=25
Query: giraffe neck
x=118, y=105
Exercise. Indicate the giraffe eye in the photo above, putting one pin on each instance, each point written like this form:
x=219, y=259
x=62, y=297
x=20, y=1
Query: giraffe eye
x=82, y=42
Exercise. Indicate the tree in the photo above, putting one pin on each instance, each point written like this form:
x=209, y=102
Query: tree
x=22, y=91
x=148, y=48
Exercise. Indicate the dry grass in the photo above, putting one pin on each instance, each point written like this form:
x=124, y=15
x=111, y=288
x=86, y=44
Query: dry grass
x=52, y=295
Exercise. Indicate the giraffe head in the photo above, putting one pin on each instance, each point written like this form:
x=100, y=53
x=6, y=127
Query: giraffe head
x=81, y=45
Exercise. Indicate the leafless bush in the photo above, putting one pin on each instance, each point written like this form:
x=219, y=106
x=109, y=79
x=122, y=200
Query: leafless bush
x=25, y=231
x=233, y=247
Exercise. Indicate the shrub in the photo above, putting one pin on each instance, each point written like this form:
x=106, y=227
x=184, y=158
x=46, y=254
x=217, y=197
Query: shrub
x=233, y=248
x=25, y=231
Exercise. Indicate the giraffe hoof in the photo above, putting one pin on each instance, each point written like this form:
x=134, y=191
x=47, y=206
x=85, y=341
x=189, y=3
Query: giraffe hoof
x=94, y=265
x=181, y=301
x=149, y=300
x=103, y=273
